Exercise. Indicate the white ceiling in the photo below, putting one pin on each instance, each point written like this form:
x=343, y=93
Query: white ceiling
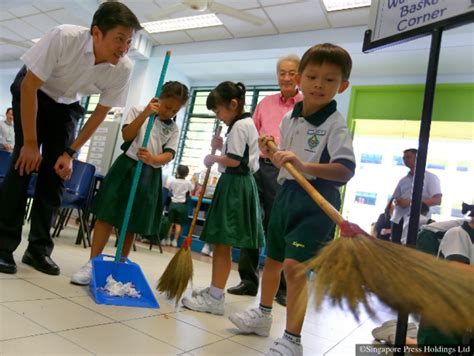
x=239, y=50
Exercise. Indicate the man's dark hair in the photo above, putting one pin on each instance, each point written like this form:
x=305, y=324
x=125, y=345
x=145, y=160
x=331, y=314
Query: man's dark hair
x=8, y=109
x=113, y=14
x=411, y=150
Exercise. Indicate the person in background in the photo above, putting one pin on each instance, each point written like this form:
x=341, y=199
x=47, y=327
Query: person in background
x=7, y=132
x=66, y=64
x=267, y=117
x=431, y=195
x=180, y=189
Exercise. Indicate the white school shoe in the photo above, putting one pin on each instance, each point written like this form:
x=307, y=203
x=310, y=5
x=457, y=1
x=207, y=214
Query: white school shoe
x=83, y=276
x=174, y=243
x=283, y=347
x=205, y=302
x=200, y=291
x=386, y=332
x=166, y=242
x=206, y=250
x=252, y=321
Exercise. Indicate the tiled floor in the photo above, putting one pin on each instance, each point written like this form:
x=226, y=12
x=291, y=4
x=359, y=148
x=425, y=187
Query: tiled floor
x=41, y=314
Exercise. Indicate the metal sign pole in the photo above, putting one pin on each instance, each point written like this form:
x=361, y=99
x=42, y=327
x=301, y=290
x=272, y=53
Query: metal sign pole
x=423, y=141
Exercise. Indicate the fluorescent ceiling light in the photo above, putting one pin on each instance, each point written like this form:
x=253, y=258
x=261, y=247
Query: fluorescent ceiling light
x=334, y=5
x=182, y=23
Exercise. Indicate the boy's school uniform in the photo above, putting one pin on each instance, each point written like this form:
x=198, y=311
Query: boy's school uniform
x=178, y=210
x=234, y=217
x=298, y=228
x=430, y=236
x=113, y=195
x=457, y=245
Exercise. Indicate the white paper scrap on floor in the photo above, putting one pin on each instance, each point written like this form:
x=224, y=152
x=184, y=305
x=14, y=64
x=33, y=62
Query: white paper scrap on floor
x=119, y=289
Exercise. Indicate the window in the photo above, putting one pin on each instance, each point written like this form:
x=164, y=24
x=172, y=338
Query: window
x=398, y=161
x=199, y=125
x=371, y=158
x=463, y=166
x=366, y=198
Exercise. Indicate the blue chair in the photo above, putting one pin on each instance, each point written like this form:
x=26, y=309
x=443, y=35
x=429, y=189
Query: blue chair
x=5, y=159
x=77, y=195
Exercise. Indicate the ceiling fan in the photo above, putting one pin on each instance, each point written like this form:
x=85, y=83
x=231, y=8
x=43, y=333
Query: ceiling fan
x=203, y=5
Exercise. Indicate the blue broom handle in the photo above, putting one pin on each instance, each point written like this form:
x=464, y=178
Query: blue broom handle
x=138, y=170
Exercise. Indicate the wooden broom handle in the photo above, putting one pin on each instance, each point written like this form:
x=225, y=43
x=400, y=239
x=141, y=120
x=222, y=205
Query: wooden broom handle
x=313, y=193
x=201, y=195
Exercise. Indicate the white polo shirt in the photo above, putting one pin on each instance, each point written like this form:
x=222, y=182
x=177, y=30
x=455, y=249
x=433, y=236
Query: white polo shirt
x=443, y=226
x=458, y=244
x=322, y=137
x=431, y=187
x=241, y=144
x=164, y=136
x=64, y=60
x=179, y=188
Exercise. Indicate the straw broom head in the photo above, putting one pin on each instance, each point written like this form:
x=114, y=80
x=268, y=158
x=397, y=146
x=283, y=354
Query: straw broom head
x=348, y=270
x=177, y=275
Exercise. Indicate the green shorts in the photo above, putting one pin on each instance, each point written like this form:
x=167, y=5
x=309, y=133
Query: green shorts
x=178, y=213
x=298, y=228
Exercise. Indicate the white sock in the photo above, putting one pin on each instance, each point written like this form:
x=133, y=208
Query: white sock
x=216, y=293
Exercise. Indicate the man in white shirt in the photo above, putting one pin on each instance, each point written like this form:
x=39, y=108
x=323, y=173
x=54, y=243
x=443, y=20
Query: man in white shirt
x=431, y=195
x=68, y=63
x=7, y=133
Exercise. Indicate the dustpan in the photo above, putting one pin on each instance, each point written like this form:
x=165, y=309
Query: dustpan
x=126, y=271
x=122, y=269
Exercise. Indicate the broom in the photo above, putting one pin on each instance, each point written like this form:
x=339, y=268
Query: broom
x=179, y=271
x=351, y=268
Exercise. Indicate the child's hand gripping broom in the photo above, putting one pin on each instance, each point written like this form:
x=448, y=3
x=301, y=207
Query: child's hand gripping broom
x=179, y=271
x=350, y=268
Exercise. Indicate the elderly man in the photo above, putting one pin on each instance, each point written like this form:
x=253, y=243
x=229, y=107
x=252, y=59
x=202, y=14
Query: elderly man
x=7, y=133
x=267, y=117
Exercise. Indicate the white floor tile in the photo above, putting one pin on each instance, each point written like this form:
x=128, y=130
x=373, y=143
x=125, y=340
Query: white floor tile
x=13, y=325
x=49, y=344
x=18, y=289
x=116, y=339
x=180, y=334
x=58, y=314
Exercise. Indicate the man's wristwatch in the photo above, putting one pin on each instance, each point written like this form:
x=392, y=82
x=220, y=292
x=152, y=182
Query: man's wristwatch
x=70, y=152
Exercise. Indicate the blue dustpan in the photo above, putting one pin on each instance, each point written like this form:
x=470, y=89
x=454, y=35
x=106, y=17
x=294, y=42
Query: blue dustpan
x=124, y=272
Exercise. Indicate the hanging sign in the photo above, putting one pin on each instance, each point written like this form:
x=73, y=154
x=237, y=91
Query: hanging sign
x=399, y=20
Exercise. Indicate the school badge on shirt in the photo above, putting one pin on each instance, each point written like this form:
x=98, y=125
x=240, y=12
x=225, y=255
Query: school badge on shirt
x=313, y=140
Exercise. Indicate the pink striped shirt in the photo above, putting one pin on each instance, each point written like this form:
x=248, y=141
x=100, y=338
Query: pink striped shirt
x=270, y=111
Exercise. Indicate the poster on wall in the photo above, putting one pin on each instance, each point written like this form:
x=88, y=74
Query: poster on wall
x=395, y=21
x=102, y=145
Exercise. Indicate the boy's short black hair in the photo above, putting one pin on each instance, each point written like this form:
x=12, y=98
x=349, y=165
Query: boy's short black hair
x=182, y=171
x=8, y=109
x=328, y=53
x=411, y=150
x=113, y=14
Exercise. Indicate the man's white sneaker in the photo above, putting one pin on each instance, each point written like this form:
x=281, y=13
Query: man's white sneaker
x=252, y=321
x=204, y=302
x=386, y=332
x=83, y=276
x=283, y=347
x=174, y=243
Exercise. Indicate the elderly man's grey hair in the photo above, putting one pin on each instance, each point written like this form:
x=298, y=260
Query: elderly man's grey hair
x=291, y=57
